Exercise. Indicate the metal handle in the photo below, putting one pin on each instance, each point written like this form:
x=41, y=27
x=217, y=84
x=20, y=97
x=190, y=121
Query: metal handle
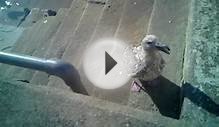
x=58, y=68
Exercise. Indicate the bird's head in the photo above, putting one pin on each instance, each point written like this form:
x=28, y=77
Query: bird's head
x=150, y=42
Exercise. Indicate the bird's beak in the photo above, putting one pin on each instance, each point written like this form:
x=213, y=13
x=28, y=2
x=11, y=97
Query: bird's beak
x=163, y=47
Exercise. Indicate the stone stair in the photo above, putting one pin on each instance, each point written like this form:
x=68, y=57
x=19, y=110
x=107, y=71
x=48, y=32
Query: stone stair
x=30, y=105
x=13, y=14
x=68, y=34
x=35, y=15
x=33, y=40
x=126, y=23
x=169, y=21
x=43, y=4
x=201, y=71
x=8, y=36
x=62, y=37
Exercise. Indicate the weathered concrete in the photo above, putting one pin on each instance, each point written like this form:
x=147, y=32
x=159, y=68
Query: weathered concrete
x=129, y=25
x=73, y=50
x=176, y=22
x=105, y=28
x=169, y=22
x=132, y=28
x=61, y=39
x=8, y=36
x=32, y=39
x=29, y=105
x=134, y=21
x=41, y=50
x=201, y=74
x=13, y=14
x=43, y=4
x=35, y=15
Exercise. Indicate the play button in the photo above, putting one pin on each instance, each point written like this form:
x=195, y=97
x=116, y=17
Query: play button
x=103, y=64
x=109, y=63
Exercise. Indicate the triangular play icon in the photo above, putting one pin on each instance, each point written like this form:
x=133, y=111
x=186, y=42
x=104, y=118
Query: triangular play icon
x=109, y=63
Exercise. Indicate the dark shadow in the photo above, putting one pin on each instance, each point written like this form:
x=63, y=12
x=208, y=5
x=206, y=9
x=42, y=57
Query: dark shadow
x=200, y=99
x=19, y=15
x=70, y=76
x=168, y=97
x=165, y=95
x=26, y=13
x=15, y=15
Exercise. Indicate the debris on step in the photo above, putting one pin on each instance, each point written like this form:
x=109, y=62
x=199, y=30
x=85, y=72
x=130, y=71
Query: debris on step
x=49, y=12
x=45, y=21
x=17, y=4
x=22, y=80
x=96, y=2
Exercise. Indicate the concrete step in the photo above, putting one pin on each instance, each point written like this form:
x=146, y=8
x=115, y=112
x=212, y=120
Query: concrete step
x=35, y=15
x=201, y=71
x=31, y=40
x=171, y=30
x=129, y=25
x=9, y=36
x=13, y=14
x=62, y=37
x=105, y=28
x=169, y=21
x=126, y=23
x=31, y=105
x=132, y=27
x=43, y=4
x=73, y=50
x=134, y=21
x=40, y=51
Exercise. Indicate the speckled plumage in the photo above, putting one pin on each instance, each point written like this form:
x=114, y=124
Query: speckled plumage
x=148, y=61
x=152, y=65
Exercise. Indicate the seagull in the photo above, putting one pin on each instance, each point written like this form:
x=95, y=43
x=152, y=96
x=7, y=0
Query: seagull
x=149, y=62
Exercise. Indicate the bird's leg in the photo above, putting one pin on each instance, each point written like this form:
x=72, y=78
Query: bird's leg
x=136, y=85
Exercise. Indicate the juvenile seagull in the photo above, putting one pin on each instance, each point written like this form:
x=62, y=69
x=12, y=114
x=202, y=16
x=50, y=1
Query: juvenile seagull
x=148, y=61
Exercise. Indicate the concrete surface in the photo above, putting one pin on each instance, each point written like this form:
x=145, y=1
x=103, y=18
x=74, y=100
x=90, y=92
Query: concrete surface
x=13, y=13
x=9, y=36
x=126, y=26
x=61, y=39
x=189, y=81
x=201, y=74
x=42, y=4
x=169, y=22
x=40, y=106
x=31, y=41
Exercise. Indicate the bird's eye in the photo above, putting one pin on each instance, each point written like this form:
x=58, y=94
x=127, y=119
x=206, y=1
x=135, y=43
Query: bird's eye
x=149, y=42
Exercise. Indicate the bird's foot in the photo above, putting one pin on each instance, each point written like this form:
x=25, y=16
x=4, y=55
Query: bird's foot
x=136, y=87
